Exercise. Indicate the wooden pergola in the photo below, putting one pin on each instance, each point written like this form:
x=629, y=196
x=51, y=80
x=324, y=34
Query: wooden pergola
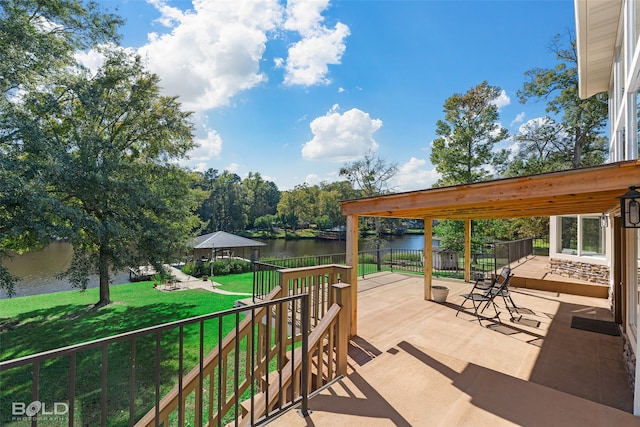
x=578, y=191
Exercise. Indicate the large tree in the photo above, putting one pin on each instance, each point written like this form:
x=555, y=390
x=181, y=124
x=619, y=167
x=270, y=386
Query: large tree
x=579, y=135
x=223, y=208
x=371, y=176
x=106, y=145
x=38, y=39
x=464, y=150
x=260, y=197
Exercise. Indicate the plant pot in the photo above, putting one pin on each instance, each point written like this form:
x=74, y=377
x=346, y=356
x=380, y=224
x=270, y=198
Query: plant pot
x=439, y=293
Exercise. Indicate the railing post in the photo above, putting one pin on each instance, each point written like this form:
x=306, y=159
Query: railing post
x=304, y=411
x=343, y=298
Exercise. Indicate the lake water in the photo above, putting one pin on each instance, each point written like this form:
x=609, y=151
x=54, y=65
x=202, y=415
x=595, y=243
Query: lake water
x=38, y=271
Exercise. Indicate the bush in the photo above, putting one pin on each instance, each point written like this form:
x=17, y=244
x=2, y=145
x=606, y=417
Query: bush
x=220, y=267
x=187, y=268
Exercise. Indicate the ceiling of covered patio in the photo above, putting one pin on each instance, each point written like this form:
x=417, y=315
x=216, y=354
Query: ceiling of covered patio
x=577, y=191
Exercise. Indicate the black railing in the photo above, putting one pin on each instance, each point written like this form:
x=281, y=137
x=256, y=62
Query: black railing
x=541, y=246
x=117, y=380
x=486, y=259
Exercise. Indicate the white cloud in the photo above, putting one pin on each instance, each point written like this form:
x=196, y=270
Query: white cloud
x=341, y=137
x=519, y=118
x=232, y=167
x=413, y=175
x=91, y=59
x=340, y=89
x=213, y=51
x=312, y=179
x=532, y=124
x=209, y=147
x=170, y=16
x=200, y=167
x=502, y=100
x=94, y=58
x=309, y=59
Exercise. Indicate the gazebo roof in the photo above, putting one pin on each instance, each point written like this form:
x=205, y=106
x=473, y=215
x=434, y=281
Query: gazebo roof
x=577, y=191
x=222, y=240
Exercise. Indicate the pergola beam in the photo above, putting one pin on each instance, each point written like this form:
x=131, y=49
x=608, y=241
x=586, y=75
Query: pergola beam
x=577, y=191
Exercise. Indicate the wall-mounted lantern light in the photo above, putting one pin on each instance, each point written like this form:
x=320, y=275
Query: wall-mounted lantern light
x=604, y=221
x=630, y=208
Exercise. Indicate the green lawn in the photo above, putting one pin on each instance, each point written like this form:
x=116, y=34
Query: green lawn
x=38, y=323
x=242, y=282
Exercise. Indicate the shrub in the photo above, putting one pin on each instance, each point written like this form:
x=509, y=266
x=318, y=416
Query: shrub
x=187, y=268
x=220, y=268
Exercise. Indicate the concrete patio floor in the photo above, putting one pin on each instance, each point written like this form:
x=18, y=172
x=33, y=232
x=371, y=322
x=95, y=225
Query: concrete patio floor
x=414, y=363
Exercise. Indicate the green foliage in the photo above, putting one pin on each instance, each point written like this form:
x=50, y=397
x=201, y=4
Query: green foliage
x=463, y=151
x=224, y=267
x=106, y=146
x=370, y=175
x=323, y=222
x=220, y=267
x=38, y=40
x=403, y=256
x=260, y=197
x=578, y=140
x=222, y=209
x=265, y=223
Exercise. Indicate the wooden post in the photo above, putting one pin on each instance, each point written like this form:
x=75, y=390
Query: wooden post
x=352, y=261
x=467, y=250
x=343, y=299
x=427, y=263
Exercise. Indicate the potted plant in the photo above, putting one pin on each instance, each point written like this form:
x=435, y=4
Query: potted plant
x=439, y=293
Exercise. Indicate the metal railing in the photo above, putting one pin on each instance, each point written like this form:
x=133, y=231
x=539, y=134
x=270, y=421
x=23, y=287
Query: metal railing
x=129, y=377
x=486, y=258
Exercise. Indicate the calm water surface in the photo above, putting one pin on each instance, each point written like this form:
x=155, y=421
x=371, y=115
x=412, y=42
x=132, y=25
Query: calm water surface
x=38, y=271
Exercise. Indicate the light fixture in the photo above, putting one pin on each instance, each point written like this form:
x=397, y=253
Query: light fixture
x=604, y=221
x=630, y=208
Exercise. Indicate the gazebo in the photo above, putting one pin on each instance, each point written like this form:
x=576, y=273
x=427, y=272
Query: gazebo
x=208, y=245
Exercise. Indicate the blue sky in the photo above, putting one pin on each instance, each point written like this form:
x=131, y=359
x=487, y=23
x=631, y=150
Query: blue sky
x=295, y=89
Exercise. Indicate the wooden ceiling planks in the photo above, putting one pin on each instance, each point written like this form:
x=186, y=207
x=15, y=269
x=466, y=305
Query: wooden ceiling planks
x=576, y=191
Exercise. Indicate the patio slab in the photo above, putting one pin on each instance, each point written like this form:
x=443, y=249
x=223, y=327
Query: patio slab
x=415, y=363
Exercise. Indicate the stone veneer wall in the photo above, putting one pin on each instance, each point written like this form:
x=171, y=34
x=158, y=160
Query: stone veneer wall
x=593, y=273
x=629, y=357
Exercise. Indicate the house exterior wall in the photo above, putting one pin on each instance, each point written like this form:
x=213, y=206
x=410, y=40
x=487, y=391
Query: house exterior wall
x=594, y=269
x=624, y=82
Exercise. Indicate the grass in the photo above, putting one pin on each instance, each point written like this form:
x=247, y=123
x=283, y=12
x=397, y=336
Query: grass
x=242, y=282
x=39, y=323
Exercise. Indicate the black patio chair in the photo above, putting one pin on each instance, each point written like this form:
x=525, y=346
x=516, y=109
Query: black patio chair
x=485, y=293
x=503, y=291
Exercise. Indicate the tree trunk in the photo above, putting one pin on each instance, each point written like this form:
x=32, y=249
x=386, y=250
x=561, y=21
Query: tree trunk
x=577, y=148
x=103, y=272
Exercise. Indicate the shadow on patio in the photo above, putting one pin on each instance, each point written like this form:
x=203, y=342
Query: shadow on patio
x=415, y=363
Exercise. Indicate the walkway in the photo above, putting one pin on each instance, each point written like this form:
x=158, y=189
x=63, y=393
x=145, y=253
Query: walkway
x=185, y=281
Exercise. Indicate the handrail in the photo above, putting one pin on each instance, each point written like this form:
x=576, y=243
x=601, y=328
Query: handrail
x=257, y=356
x=291, y=378
x=191, y=381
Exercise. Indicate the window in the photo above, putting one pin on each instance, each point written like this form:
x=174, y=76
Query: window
x=582, y=236
x=593, y=237
x=569, y=231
